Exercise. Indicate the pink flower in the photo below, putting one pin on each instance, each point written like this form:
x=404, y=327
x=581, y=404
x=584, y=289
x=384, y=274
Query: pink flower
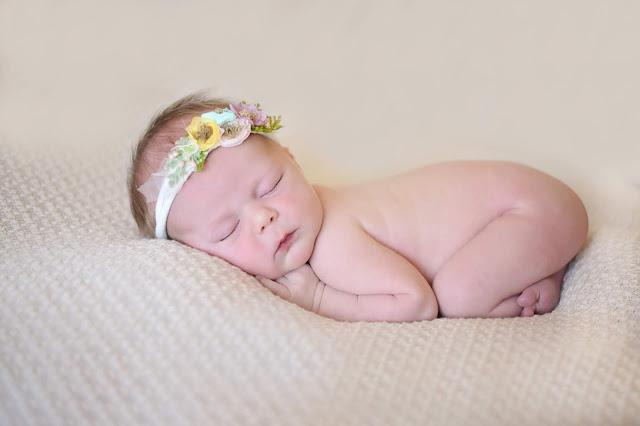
x=250, y=112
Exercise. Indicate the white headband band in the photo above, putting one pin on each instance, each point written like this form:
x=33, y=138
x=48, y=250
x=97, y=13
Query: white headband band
x=163, y=205
x=223, y=127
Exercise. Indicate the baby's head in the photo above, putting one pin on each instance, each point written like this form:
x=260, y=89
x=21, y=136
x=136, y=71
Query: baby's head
x=239, y=196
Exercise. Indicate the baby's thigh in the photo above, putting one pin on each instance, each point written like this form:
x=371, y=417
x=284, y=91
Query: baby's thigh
x=497, y=263
x=520, y=247
x=533, y=226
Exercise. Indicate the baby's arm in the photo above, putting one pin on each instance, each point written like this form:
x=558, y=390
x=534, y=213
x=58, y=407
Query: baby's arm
x=362, y=280
x=366, y=280
x=304, y=288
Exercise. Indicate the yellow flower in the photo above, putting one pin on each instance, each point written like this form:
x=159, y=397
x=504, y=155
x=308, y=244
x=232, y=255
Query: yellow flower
x=204, y=132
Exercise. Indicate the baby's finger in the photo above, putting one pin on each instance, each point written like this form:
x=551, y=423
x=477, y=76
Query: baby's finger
x=284, y=280
x=275, y=288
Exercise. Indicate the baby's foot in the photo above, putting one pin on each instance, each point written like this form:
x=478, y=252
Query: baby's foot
x=541, y=297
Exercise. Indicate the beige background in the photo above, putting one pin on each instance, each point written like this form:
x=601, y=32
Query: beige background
x=100, y=326
x=365, y=88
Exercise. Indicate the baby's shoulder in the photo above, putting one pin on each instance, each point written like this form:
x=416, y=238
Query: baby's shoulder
x=338, y=211
x=340, y=224
x=339, y=205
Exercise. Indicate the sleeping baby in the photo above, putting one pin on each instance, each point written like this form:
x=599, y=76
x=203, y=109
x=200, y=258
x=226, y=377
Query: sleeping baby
x=457, y=239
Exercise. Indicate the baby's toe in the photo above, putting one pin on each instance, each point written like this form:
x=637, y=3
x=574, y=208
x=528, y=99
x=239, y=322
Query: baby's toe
x=528, y=298
x=527, y=312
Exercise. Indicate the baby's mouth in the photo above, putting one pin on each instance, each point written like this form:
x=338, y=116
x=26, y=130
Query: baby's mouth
x=287, y=241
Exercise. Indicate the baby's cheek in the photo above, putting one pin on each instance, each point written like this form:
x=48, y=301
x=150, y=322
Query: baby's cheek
x=252, y=263
x=267, y=271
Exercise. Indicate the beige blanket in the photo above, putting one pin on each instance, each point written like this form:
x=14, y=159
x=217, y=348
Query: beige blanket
x=99, y=326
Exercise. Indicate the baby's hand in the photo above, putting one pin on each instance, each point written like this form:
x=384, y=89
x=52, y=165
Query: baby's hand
x=298, y=286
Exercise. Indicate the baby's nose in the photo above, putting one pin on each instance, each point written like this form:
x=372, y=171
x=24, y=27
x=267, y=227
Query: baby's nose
x=263, y=217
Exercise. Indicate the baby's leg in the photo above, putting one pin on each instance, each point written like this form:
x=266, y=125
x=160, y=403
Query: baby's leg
x=516, y=251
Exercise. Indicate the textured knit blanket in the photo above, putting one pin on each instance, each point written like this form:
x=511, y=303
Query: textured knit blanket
x=101, y=326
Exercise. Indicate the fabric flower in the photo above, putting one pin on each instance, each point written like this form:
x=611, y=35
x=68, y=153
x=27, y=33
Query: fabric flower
x=250, y=112
x=235, y=132
x=220, y=115
x=204, y=132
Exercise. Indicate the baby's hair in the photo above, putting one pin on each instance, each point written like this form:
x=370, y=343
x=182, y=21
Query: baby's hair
x=166, y=126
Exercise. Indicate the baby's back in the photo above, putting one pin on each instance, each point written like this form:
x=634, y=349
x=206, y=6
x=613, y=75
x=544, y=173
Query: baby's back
x=428, y=214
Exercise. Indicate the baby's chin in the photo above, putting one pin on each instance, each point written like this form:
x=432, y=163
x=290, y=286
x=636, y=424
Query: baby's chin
x=294, y=260
x=282, y=271
x=299, y=256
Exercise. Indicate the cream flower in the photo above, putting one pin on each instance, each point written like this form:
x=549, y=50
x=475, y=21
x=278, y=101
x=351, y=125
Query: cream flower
x=235, y=132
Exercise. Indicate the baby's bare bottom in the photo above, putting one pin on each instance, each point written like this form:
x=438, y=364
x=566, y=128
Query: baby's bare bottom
x=513, y=266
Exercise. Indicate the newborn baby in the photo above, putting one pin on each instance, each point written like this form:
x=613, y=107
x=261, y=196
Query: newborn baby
x=460, y=239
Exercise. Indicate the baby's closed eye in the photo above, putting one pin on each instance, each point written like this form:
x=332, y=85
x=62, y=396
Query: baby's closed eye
x=228, y=234
x=271, y=188
x=274, y=186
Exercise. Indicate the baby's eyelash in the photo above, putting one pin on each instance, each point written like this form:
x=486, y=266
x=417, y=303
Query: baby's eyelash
x=232, y=231
x=276, y=185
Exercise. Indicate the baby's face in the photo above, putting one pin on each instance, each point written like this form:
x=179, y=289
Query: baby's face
x=251, y=206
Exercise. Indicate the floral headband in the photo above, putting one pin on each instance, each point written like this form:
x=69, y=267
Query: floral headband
x=224, y=127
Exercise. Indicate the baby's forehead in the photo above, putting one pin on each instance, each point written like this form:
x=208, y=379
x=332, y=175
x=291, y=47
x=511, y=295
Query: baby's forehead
x=253, y=151
x=230, y=175
x=229, y=168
